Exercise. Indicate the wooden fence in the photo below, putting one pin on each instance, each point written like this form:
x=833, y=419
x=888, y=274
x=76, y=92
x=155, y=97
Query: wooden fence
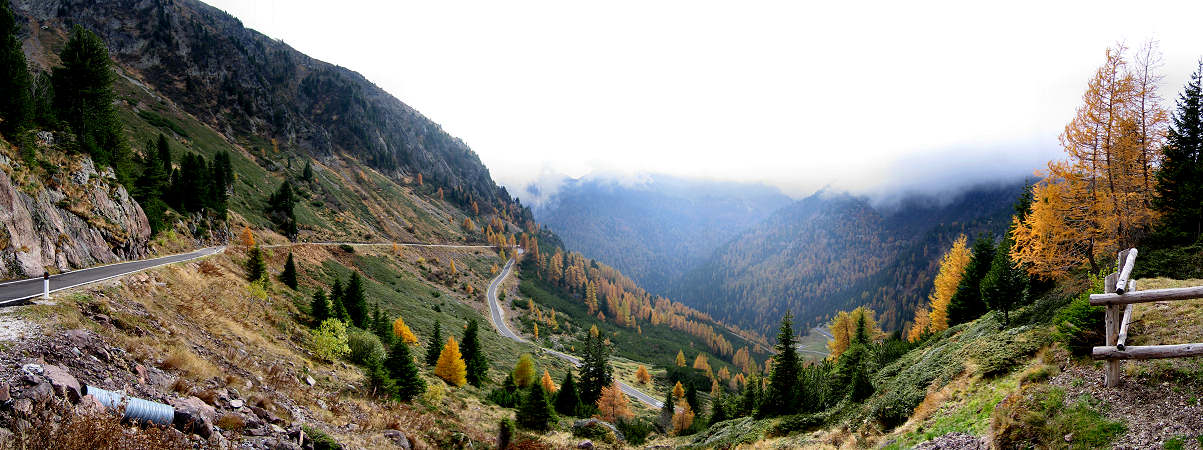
x=1119, y=296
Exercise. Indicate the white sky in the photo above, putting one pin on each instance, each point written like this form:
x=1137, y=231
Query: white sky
x=796, y=94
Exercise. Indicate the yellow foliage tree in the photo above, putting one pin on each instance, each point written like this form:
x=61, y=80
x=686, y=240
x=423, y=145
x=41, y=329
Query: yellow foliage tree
x=248, y=238
x=952, y=268
x=678, y=390
x=724, y=374
x=843, y=329
x=524, y=371
x=451, y=367
x=738, y=381
x=701, y=363
x=402, y=331
x=613, y=405
x=548, y=384
x=683, y=417
x=642, y=375
x=680, y=358
x=920, y=324
x=1099, y=198
x=536, y=330
x=451, y=266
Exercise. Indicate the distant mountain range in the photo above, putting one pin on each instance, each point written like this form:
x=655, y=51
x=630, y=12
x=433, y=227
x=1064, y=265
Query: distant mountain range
x=746, y=254
x=656, y=229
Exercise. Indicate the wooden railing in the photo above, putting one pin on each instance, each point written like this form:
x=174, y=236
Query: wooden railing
x=1119, y=296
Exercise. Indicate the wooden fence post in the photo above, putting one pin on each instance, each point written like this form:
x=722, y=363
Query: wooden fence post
x=1111, y=376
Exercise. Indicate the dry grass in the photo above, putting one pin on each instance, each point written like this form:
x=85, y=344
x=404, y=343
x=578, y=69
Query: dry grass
x=59, y=426
x=231, y=422
x=183, y=360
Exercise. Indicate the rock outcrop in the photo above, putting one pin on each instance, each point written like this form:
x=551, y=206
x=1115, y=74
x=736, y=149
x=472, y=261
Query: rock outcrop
x=69, y=217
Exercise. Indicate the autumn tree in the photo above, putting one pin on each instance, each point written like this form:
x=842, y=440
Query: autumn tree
x=920, y=325
x=701, y=363
x=613, y=405
x=401, y=331
x=952, y=268
x=680, y=358
x=843, y=329
x=547, y=383
x=678, y=390
x=524, y=371
x=682, y=418
x=966, y=303
x=642, y=375
x=451, y=367
x=1098, y=199
x=247, y=239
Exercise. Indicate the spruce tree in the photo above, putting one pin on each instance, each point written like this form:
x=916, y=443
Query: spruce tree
x=43, y=113
x=966, y=303
x=379, y=381
x=781, y=398
x=84, y=100
x=401, y=368
x=568, y=400
x=16, y=107
x=319, y=307
x=381, y=326
x=256, y=266
x=356, y=301
x=1004, y=286
x=596, y=372
x=338, y=309
x=282, y=210
x=221, y=176
x=307, y=174
x=749, y=403
x=289, y=275
x=536, y=413
x=152, y=185
x=478, y=365
x=691, y=397
x=665, y=420
x=432, y=347
x=1180, y=181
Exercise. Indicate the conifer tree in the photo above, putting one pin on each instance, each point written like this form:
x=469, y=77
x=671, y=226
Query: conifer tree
x=568, y=400
x=338, y=310
x=781, y=398
x=282, y=209
x=691, y=397
x=402, y=332
x=547, y=383
x=16, y=107
x=665, y=420
x=153, y=184
x=683, y=418
x=524, y=371
x=1180, y=180
x=433, y=346
x=356, y=301
x=851, y=371
x=319, y=308
x=378, y=379
x=307, y=173
x=678, y=390
x=596, y=372
x=613, y=405
x=680, y=358
x=478, y=365
x=289, y=275
x=256, y=266
x=536, y=413
x=952, y=269
x=84, y=100
x=381, y=326
x=643, y=376
x=1004, y=286
x=450, y=366
x=401, y=368
x=966, y=303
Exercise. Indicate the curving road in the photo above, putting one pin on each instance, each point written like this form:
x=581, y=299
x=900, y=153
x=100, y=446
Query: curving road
x=17, y=292
x=499, y=322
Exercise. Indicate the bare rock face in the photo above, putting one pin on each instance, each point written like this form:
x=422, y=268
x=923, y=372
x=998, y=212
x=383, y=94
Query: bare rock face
x=77, y=218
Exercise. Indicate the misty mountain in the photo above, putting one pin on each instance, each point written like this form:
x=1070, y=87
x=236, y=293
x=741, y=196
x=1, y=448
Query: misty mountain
x=833, y=251
x=658, y=229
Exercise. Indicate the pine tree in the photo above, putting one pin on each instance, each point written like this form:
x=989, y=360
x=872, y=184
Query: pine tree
x=256, y=266
x=84, y=100
x=966, y=304
x=665, y=420
x=451, y=366
x=536, y=413
x=432, y=347
x=401, y=368
x=524, y=371
x=680, y=358
x=644, y=377
x=783, y=380
x=952, y=269
x=596, y=372
x=338, y=309
x=613, y=405
x=356, y=301
x=16, y=106
x=1180, y=180
x=478, y=365
x=319, y=308
x=568, y=400
x=282, y=209
x=1004, y=286
x=307, y=173
x=547, y=383
x=289, y=275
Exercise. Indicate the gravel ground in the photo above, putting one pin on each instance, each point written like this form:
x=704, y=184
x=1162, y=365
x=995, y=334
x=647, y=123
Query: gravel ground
x=955, y=441
x=13, y=328
x=1153, y=412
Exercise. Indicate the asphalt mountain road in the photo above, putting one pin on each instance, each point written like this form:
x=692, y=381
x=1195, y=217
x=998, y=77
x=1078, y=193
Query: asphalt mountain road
x=504, y=329
x=15, y=292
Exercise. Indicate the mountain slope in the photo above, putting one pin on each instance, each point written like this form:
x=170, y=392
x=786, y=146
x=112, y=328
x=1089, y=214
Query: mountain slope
x=832, y=252
x=656, y=230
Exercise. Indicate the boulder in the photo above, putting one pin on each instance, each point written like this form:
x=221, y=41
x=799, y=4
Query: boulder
x=266, y=415
x=194, y=415
x=5, y=394
x=236, y=403
x=63, y=383
x=40, y=393
x=398, y=437
x=587, y=445
x=590, y=426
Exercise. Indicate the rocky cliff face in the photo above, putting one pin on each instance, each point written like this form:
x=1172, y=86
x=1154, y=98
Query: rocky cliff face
x=63, y=214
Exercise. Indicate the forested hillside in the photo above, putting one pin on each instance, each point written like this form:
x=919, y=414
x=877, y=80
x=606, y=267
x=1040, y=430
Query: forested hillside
x=834, y=251
x=658, y=229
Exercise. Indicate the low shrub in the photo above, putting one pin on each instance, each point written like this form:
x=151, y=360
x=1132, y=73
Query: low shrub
x=797, y=423
x=635, y=430
x=1038, y=416
x=321, y=440
x=364, y=346
x=329, y=340
x=1080, y=325
x=346, y=248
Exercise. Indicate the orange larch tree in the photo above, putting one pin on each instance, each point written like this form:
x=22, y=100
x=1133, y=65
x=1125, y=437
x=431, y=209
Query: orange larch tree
x=451, y=367
x=613, y=405
x=952, y=268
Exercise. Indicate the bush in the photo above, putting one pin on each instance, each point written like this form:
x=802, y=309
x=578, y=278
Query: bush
x=796, y=423
x=364, y=346
x=1176, y=262
x=321, y=440
x=635, y=430
x=504, y=398
x=346, y=248
x=329, y=340
x=1039, y=416
x=1080, y=325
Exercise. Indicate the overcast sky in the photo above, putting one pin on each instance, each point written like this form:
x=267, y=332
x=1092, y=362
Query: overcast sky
x=796, y=94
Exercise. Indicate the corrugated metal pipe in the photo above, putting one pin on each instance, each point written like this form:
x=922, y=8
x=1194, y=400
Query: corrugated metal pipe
x=136, y=409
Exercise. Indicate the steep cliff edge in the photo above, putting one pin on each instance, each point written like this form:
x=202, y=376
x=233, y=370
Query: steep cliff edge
x=60, y=213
